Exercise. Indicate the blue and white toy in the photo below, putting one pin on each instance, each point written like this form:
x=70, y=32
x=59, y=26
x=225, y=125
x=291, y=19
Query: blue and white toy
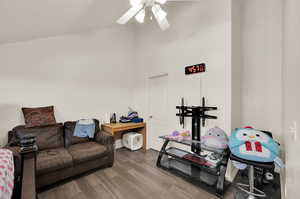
x=254, y=145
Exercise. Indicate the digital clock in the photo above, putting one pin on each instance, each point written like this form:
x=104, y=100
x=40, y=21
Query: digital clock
x=199, y=68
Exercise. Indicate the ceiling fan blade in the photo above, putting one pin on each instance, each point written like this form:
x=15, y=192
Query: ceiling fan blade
x=161, y=17
x=129, y=14
x=163, y=24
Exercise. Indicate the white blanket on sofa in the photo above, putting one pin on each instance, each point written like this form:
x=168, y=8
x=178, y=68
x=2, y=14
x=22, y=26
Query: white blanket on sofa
x=6, y=174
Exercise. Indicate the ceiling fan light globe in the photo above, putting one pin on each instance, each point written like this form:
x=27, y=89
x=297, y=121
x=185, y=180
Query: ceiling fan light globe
x=135, y=3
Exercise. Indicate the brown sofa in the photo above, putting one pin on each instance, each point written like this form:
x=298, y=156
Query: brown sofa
x=61, y=155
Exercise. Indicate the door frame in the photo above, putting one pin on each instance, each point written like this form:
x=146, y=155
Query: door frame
x=148, y=103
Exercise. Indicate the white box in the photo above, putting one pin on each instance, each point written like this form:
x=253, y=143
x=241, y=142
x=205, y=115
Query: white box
x=132, y=141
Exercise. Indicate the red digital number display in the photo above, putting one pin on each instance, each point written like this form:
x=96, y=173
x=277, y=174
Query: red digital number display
x=199, y=68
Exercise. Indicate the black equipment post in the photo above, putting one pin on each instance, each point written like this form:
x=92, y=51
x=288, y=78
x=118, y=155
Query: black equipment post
x=181, y=119
x=197, y=113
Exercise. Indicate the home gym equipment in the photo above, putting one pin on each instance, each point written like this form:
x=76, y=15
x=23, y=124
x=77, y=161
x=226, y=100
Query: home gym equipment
x=257, y=150
x=203, y=167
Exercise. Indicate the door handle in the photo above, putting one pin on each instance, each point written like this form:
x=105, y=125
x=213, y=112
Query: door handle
x=150, y=116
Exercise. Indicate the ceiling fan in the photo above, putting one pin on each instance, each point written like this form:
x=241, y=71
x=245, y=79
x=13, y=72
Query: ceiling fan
x=138, y=10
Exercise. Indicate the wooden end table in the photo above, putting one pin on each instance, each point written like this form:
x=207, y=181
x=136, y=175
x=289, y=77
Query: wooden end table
x=28, y=175
x=116, y=128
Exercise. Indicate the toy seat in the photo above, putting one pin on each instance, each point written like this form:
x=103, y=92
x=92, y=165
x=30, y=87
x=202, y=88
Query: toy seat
x=250, y=188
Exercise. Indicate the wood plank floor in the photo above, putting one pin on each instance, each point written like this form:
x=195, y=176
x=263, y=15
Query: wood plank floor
x=133, y=176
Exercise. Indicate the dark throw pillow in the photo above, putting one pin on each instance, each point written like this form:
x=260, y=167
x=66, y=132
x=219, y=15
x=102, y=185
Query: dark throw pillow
x=42, y=116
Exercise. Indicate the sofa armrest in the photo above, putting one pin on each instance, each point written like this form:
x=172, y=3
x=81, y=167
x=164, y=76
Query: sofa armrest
x=28, y=176
x=104, y=138
x=24, y=187
x=17, y=160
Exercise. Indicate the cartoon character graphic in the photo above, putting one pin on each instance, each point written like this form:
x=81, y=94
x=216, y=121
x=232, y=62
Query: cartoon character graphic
x=252, y=144
x=215, y=138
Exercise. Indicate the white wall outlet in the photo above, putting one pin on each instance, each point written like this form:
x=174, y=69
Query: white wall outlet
x=293, y=130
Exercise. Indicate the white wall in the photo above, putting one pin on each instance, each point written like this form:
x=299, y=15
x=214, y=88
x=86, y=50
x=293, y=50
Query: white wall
x=262, y=64
x=83, y=75
x=291, y=95
x=235, y=90
x=200, y=32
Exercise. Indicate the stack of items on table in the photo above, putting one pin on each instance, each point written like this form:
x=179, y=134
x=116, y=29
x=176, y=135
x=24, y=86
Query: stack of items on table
x=132, y=117
x=28, y=143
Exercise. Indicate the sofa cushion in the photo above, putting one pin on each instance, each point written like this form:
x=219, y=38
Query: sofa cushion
x=41, y=116
x=47, y=137
x=69, y=128
x=53, y=160
x=87, y=151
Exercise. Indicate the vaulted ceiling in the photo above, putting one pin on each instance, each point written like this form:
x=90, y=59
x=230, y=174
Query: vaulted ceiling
x=22, y=20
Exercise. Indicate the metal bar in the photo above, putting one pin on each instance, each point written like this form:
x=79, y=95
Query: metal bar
x=251, y=178
x=161, y=153
x=194, y=134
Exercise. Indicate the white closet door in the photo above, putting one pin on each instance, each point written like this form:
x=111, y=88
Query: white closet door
x=158, y=103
